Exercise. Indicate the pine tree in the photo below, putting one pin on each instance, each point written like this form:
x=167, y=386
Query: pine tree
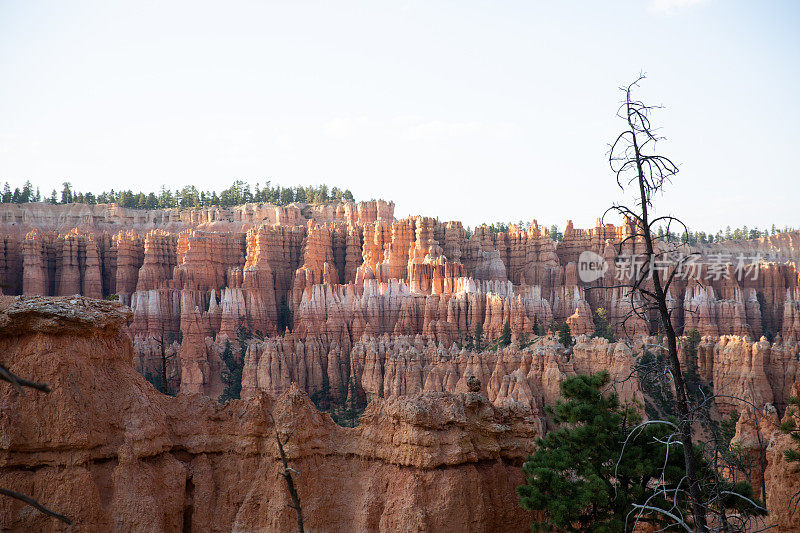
x=66, y=193
x=523, y=339
x=232, y=372
x=602, y=328
x=505, y=335
x=284, y=316
x=791, y=426
x=186, y=198
x=229, y=374
x=583, y=480
x=565, y=335
x=322, y=396
x=477, y=339
x=538, y=328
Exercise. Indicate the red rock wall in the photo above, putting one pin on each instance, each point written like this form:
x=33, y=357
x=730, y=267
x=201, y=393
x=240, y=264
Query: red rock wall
x=111, y=453
x=334, y=273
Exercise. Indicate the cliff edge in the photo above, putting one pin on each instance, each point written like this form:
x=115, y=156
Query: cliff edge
x=109, y=451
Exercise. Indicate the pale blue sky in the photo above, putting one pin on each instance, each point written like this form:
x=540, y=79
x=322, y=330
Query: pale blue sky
x=475, y=111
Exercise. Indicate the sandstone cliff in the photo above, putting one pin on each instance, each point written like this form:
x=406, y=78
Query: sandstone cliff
x=335, y=278
x=774, y=479
x=113, y=454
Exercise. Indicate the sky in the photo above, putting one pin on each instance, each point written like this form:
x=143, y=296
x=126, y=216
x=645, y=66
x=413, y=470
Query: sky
x=471, y=111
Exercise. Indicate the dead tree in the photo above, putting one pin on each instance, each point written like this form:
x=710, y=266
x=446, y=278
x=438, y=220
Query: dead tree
x=635, y=165
x=19, y=384
x=165, y=380
x=287, y=475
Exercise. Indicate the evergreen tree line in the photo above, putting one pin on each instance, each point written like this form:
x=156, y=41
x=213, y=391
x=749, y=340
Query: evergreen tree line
x=502, y=227
x=701, y=237
x=348, y=410
x=240, y=192
x=477, y=342
x=687, y=237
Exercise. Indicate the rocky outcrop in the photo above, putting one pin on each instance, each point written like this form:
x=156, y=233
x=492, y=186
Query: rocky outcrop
x=128, y=252
x=763, y=446
x=160, y=258
x=343, y=300
x=35, y=265
x=758, y=372
x=110, y=452
x=782, y=478
x=329, y=278
x=389, y=366
x=204, y=249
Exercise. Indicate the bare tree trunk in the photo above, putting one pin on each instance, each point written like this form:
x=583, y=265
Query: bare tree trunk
x=682, y=402
x=164, y=381
x=287, y=476
x=648, y=173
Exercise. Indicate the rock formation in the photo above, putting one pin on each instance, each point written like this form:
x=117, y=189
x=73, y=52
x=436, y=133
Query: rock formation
x=110, y=452
x=336, y=275
x=774, y=479
x=343, y=301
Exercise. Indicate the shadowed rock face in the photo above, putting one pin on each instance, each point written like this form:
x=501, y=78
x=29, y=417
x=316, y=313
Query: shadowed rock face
x=113, y=454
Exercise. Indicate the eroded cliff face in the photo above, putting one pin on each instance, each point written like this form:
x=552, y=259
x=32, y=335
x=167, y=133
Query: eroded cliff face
x=774, y=479
x=373, y=311
x=110, y=452
x=782, y=481
x=339, y=276
x=391, y=366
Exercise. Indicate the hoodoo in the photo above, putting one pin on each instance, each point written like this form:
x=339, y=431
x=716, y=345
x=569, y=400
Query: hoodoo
x=343, y=305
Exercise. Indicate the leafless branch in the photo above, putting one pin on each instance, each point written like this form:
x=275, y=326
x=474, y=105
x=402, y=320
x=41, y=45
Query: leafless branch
x=36, y=505
x=19, y=383
x=287, y=475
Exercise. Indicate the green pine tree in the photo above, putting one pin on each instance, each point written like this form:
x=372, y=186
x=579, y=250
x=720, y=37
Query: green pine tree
x=565, y=335
x=791, y=426
x=582, y=479
x=322, y=397
x=477, y=339
x=505, y=334
x=523, y=339
x=284, y=316
x=232, y=371
x=231, y=377
x=602, y=327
